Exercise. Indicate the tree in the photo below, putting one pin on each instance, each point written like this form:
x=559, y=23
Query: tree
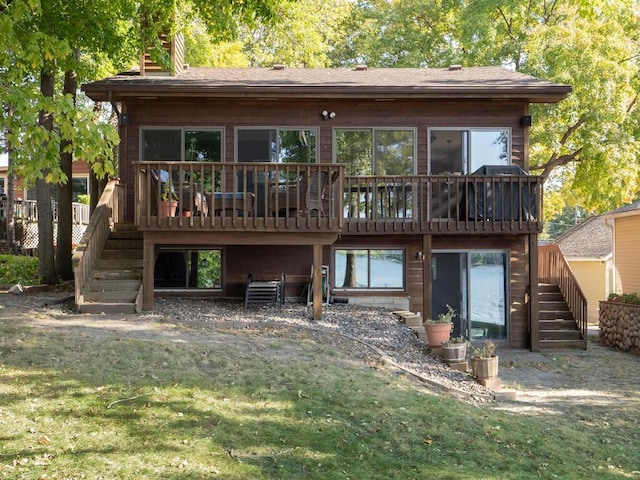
x=586, y=146
x=85, y=40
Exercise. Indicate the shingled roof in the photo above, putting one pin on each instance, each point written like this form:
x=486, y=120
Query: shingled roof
x=590, y=239
x=450, y=83
x=626, y=210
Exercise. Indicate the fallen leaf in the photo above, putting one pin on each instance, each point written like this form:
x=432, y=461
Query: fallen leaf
x=427, y=441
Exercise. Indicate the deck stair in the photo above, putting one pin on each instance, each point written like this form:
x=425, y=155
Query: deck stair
x=558, y=329
x=117, y=280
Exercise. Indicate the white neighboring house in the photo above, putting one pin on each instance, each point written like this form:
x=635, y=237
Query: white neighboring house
x=588, y=248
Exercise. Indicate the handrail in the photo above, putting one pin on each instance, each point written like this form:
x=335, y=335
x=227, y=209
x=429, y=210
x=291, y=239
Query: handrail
x=554, y=269
x=108, y=211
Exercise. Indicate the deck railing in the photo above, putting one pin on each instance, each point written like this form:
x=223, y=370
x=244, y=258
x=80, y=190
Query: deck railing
x=283, y=196
x=27, y=210
x=109, y=211
x=554, y=269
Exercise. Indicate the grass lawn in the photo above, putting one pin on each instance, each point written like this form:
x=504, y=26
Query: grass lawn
x=88, y=403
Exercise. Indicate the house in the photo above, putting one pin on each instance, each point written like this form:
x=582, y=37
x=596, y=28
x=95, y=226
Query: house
x=26, y=211
x=625, y=222
x=405, y=188
x=589, y=251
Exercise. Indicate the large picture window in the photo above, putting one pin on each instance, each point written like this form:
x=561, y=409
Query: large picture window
x=465, y=150
x=175, y=145
x=376, y=151
x=369, y=269
x=278, y=145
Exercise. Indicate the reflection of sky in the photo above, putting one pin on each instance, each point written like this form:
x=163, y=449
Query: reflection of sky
x=4, y=160
x=384, y=273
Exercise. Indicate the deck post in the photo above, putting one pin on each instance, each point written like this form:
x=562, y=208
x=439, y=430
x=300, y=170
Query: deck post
x=427, y=290
x=317, y=282
x=148, y=265
x=533, y=293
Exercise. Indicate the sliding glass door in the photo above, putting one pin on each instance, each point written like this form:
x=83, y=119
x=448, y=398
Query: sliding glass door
x=475, y=284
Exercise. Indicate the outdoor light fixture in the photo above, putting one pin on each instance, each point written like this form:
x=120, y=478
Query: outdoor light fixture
x=526, y=121
x=326, y=115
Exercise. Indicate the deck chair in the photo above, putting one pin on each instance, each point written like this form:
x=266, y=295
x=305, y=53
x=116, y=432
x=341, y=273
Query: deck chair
x=312, y=189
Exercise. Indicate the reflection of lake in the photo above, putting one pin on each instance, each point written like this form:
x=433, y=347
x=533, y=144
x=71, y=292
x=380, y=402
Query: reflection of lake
x=487, y=294
x=385, y=273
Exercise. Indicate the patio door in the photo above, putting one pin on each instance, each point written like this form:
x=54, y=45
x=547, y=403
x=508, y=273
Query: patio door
x=474, y=283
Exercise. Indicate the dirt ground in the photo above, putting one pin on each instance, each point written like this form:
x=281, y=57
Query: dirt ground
x=586, y=383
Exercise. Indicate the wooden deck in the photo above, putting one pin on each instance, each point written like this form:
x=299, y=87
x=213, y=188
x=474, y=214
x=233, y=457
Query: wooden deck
x=285, y=198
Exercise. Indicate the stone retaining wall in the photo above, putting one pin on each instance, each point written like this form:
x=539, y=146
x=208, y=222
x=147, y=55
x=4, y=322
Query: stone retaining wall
x=620, y=325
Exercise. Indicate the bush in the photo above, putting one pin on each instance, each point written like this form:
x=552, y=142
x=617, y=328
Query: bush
x=18, y=269
x=625, y=298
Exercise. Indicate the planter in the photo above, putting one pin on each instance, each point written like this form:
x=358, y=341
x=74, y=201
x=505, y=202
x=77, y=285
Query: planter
x=484, y=368
x=168, y=208
x=454, y=352
x=437, y=333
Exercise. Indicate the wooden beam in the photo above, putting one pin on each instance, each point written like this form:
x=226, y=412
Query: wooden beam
x=534, y=308
x=317, y=282
x=148, y=266
x=427, y=288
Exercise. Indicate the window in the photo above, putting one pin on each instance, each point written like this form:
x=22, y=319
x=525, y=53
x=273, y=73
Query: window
x=181, y=144
x=278, y=145
x=466, y=150
x=188, y=269
x=376, y=151
x=369, y=269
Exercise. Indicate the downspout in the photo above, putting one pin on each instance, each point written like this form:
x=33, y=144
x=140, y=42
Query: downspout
x=611, y=222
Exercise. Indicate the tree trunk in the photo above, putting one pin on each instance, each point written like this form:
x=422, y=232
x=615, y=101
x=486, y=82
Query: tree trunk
x=350, y=270
x=65, y=199
x=10, y=212
x=46, y=260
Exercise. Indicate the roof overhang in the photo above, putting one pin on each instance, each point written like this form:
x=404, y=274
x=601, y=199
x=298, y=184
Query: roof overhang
x=386, y=84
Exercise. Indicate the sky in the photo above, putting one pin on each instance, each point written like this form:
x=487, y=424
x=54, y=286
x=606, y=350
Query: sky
x=4, y=160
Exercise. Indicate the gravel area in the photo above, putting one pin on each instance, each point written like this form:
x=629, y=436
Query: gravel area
x=378, y=329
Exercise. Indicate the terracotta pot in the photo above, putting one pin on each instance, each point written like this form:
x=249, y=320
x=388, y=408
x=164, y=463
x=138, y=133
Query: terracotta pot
x=454, y=352
x=483, y=368
x=168, y=208
x=437, y=333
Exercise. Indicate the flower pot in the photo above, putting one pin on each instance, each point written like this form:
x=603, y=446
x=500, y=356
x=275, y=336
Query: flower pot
x=437, y=333
x=168, y=208
x=454, y=352
x=484, y=368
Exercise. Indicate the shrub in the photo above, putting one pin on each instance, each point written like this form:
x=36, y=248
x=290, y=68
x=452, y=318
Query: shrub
x=18, y=269
x=625, y=298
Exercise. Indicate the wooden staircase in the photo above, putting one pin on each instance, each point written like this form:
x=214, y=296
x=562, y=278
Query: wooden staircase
x=558, y=329
x=117, y=279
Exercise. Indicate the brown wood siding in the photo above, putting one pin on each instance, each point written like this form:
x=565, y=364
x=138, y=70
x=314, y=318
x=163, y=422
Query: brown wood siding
x=518, y=282
x=306, y=113
x=627, y=260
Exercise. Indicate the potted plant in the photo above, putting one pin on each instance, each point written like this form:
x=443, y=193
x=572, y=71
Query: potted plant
x=439, y=329
x=168, y=201
x=484, y=361
x=455, y=350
